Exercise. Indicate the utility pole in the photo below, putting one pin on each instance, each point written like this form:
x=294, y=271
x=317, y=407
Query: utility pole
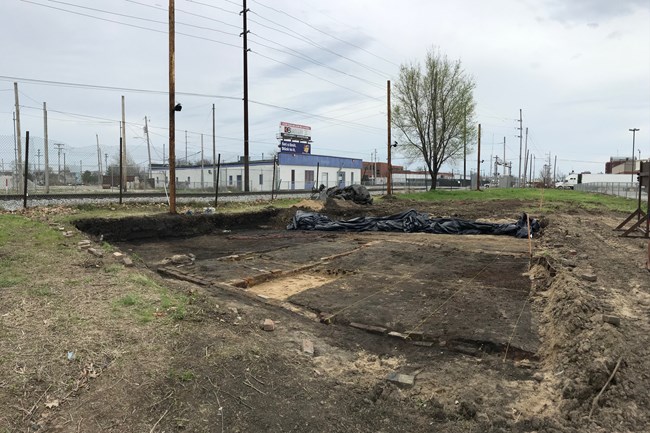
x=554, y=172
x=186, y=163
x=202, y=162
x=505, y=164
x=19, y=161
x=172, y=111
x=245, y=35
x=46, y=148
x=123, y=148
x=526, y=166
x=58, y=147
x=146, y=131
x=520, y=144
x=389, y=184
x=214, y=154
x=106, y=161
x=634, y=130
x=38, y=156
x=99, y=162
x=65, y=177
x=478, y=163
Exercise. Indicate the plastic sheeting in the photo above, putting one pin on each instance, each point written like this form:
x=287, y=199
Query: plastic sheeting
x=412, y=221
x=357, y=193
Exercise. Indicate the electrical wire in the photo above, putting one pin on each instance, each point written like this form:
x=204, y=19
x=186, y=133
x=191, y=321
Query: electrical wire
x=130, y=25
x=238, y=27
x=325, y=32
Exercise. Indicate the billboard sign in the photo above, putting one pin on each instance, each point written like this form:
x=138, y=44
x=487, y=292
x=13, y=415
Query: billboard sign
x=294, y=147
x=292, y=130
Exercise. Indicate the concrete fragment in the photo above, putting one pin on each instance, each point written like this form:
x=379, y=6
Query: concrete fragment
x=308, y=347
x=588, y=276
x=423, y=343
x=268, y=325
x=95, y=252
x=84, y=242
x=127, y=262
x=369, y=328
x=398, y=335
x=117, y=255
x=402, y=380
x=613, y=320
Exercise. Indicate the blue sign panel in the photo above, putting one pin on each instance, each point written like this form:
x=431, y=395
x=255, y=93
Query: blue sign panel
x=294, y=147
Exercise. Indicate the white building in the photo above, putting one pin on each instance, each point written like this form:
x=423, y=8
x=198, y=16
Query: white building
x=294, y=171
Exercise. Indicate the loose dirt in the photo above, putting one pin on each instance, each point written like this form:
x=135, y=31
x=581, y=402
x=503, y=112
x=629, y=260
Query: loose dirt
x=494, y=339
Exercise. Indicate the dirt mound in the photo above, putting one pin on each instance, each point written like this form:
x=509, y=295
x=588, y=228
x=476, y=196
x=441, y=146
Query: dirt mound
x=313, y=205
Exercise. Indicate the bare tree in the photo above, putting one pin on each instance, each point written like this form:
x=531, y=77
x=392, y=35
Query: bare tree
x=434, y=111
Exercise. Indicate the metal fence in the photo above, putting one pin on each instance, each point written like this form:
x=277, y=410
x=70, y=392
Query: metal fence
x=628, y=190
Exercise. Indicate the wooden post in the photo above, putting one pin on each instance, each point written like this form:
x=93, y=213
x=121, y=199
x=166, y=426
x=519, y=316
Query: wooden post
x=172, y=112
x=123, y=173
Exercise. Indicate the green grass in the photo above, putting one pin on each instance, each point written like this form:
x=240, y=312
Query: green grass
x=548, y=198
x=128, y=300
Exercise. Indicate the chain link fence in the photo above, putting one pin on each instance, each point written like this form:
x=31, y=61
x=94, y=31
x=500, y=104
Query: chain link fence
x=628, y=190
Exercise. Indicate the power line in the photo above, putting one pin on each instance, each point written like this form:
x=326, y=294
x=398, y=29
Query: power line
x=309, y=59
x=186, y=13
x=316, y=76
x=304, y=38
x=130, y=25
x=326, y=33
x=215, y=7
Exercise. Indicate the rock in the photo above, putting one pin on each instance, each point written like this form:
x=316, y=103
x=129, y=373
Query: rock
x=95, y=252
x=127, y=262
x=583, y=256
x=402, y=380
x=613, y=320
x=179, y=259
x=538, y=377
x=84, y=242
x=117, y=255
x=588, y=276
x=308, y=347
x=268, y=325
x=398, y=335
x=573, y=252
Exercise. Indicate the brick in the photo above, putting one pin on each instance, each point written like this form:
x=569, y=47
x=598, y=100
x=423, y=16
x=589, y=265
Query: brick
x=613, y=320
x=268, y=325
x=402, y=380
x=308, y=347
x=127, y=262
x=369, y=328
x=117, y=255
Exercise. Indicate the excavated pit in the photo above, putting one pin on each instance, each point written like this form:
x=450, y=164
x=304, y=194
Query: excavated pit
x=469, y=294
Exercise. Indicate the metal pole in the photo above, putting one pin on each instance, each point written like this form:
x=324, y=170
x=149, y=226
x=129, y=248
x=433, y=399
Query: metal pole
x=246, y=152
x=123, y=145
x=464, y=144
x=389, y=183
x=172, y=112
x=273, y=185
x=99, y=162
x=121, y=169
x=146, y=130
x=19, y=160
x=634, y=130
x=47, y=152
x=520, y=144
x=478, y=163
x=214, y=157
x=202, y=167
x=216, y=190
x=26, y=169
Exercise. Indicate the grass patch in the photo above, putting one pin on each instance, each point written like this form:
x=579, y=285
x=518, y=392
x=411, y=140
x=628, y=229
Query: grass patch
x=128, y=300
x=41, y=291
x=144, y=281
x=547, y=198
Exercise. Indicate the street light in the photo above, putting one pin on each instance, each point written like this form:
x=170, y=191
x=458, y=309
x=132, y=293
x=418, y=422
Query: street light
x=634, y=130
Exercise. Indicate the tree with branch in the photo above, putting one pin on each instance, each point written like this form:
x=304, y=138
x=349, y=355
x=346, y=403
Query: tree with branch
x=434, y=111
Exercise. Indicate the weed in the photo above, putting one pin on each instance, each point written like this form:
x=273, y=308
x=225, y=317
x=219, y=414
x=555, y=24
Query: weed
x=144, y=281
x=113, y=269
x=41, y=291
x=128, y=300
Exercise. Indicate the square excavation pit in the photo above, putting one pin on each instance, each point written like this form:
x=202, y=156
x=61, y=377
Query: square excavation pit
x=457, y=291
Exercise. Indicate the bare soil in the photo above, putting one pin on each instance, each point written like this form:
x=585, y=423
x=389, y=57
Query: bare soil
x=495, y=340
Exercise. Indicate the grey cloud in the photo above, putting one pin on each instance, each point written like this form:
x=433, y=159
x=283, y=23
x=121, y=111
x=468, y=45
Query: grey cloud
x=592, y=11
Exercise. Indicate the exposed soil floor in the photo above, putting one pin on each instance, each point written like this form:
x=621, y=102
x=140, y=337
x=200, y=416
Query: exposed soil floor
x=486, y=337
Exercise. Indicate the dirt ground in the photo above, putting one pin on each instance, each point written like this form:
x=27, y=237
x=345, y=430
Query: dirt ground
x=484, y=337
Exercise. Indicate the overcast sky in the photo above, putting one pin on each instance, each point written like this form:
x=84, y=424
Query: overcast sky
x=579, y=70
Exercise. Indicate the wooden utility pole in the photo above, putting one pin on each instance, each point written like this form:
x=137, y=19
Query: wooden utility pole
x=19, y=151
x=121, y=168
x=46, y=149
x=245, y=35
x=172, y=112
x=554, y=167
x=123, y=148
x=146, y=131
x=526, y=166
x=26, y=170
x=478, y=167
x=389, y=183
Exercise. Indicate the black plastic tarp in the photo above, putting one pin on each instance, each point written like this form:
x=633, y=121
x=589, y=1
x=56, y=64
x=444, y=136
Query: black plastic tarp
x=357, y=193
x=412, y=221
